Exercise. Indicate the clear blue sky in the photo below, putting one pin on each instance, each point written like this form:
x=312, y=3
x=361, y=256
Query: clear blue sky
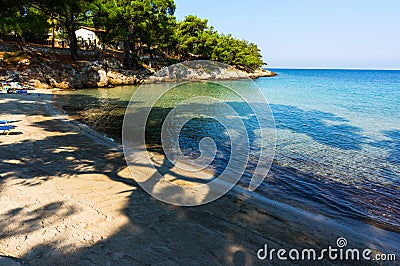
x=309, y=33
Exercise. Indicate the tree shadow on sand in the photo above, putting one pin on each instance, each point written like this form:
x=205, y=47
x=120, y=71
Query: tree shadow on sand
x=156, y=232
x=226, y=231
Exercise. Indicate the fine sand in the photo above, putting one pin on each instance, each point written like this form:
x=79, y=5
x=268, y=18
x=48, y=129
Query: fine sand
x=67, y=198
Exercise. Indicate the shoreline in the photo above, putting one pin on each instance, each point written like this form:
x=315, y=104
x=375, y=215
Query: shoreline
x=257, y=200
x=106, y=133
x=42, y=67
x=238, y=222
x=238, y=191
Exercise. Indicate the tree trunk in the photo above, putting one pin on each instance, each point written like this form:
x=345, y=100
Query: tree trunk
x=73, y=46
x=127, y=51
x=150, y=51
x=20, y=43
x=73, y=41
x=53, y=33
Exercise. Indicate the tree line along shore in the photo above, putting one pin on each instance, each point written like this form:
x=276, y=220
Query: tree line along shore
x=140, y=36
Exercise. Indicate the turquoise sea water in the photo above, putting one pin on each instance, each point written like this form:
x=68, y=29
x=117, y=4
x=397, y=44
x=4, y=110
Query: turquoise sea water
x=338, y=138
x=338, y=142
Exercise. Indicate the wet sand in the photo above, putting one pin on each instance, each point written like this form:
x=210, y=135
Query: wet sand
x=67, y=197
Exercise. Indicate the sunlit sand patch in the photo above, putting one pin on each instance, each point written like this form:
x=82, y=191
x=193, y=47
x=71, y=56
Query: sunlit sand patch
x=85, y=168
x=65, y=149
x=112, y=155
x=33, y=181
x=124, y=173
x=80, y=212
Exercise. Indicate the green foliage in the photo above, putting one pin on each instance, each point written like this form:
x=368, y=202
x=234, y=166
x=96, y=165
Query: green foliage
x=26, y=22
x=140, y=24
x=192, y=35
x=197, y=40
x=137, y=23
x=240, y=53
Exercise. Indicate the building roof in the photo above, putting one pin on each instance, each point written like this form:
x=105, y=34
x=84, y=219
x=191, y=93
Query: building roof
x=92, y=29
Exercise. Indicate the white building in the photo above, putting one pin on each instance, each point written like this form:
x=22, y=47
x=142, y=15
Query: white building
x=88, y=35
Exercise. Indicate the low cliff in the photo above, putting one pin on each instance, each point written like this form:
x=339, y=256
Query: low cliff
x=203, y=70
x=43, y=67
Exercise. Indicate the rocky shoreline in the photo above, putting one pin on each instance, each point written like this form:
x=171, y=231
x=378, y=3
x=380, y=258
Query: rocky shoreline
x=45, y=68
x=203, y=70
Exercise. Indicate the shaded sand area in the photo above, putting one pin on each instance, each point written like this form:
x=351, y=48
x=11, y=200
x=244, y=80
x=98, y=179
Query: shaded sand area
x=67, y=198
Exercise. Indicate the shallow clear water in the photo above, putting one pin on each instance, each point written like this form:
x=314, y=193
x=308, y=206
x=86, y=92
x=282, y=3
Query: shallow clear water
x=338, y=137
x=338, y=141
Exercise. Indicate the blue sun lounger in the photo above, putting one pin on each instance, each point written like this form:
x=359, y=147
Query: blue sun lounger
x=6, y=129
x=2, y=122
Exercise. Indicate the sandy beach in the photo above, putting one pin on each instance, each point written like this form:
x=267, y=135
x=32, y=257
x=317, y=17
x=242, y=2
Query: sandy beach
x=67, y=198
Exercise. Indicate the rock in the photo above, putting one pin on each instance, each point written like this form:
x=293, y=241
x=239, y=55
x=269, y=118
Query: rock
x=76, y=83
x=25, y=62
x=261, y=73
x=115, y=78
x=111, y=63
x=53, y=82
x=90, y=79
x=121, y=78
x=204, y=70
x=63, y=85
x=103, y=80
x=43, y=68
x=197, y=70
x=12, y=76
x=8, y=47
x=38, y=84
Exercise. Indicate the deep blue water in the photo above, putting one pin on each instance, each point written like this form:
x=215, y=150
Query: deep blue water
x=338, y=142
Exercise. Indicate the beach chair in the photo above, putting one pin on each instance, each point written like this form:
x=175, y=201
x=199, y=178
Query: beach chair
x=6, y=129
x=3, y=122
